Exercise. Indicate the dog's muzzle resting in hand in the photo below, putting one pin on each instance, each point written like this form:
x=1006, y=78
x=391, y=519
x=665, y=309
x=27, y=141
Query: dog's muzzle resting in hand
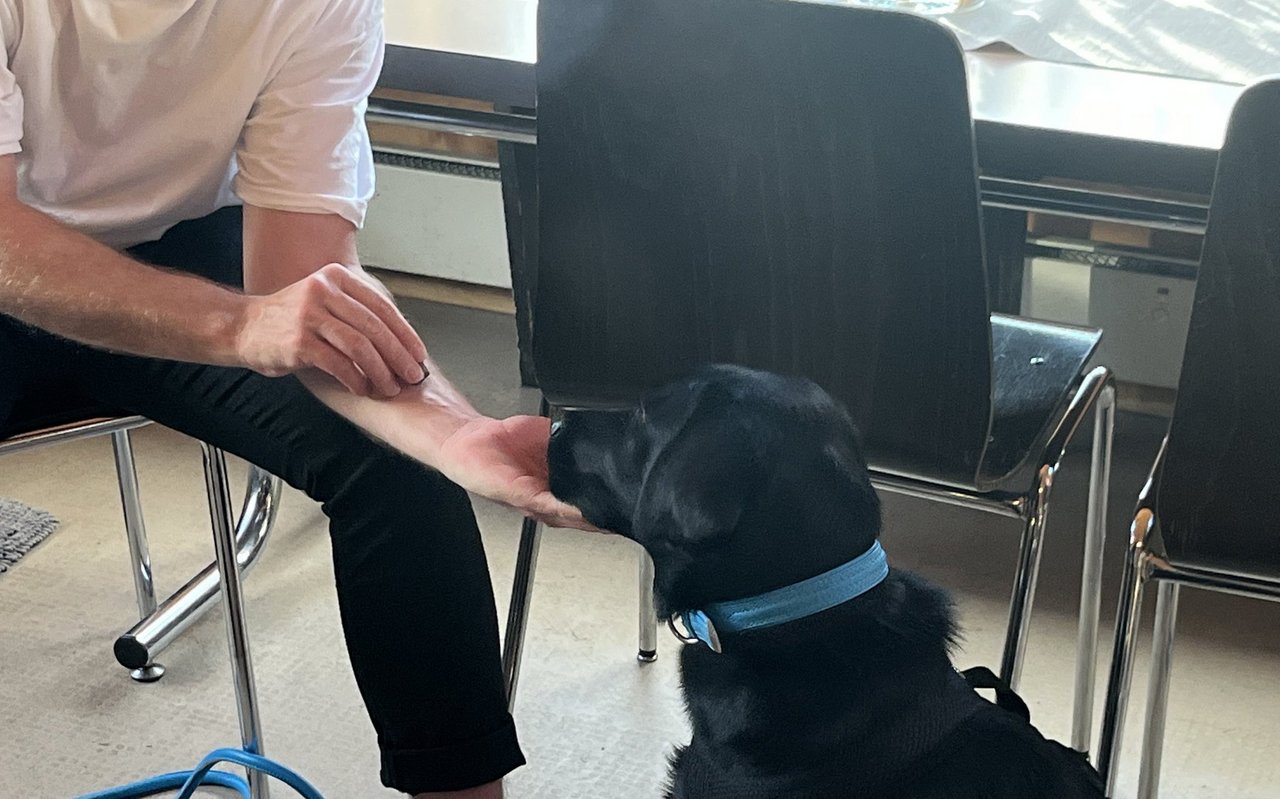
x=744, y=485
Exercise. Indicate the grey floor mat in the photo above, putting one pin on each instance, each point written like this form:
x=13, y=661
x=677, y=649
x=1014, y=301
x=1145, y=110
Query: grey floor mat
x=21, y=528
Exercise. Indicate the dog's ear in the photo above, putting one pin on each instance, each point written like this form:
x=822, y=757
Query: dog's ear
x=698, y=485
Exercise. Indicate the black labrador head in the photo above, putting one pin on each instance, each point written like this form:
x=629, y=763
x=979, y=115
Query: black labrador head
x=736, y=481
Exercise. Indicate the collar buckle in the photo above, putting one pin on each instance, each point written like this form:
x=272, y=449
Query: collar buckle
x=695, y=627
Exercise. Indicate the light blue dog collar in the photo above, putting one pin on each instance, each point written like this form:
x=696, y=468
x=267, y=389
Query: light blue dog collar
x=789, y=603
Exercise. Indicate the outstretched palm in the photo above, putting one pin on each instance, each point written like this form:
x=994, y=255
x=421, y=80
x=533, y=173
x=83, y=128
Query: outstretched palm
x=506, y=460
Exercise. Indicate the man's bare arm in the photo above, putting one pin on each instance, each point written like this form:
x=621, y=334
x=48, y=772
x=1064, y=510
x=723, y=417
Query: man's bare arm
x=502, y=459
x=66, y=283
x=283, y=247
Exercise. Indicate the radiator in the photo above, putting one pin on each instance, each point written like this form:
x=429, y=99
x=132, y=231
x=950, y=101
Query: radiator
x=441, y=219
x=1144, y=314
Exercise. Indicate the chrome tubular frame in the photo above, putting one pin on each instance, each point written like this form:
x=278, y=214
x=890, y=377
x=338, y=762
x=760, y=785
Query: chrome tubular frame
x=1097, y=393
x=1137, y=569
x=521, y=595
x=518, y=610
x=1222, y=582
x=1158, y=688
x=227, y=562
x=1025, y=577
x=159, y=626
x=136, y=532
x=648, y=617
x=1086, y=678
x=70, y=432
x=907, y=487
x=154, y=632
x=1141, y=566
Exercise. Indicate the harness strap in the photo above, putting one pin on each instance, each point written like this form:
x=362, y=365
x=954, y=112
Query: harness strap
x=1006, y=698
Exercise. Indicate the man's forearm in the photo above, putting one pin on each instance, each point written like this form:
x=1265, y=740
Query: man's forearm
x=431, y=421
x=62, y=281
x=282, y=247
x=417, y=421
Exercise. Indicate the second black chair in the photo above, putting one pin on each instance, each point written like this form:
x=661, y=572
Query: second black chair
x=1208, y=515
x=792, y=186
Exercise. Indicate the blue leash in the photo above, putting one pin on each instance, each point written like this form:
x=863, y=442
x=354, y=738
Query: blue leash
x=204, y=774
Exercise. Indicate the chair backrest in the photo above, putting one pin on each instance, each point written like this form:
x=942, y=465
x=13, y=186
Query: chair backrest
x=1217, y=500
x=784, y=185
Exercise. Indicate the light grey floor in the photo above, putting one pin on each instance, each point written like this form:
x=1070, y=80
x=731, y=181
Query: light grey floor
x=594, y=723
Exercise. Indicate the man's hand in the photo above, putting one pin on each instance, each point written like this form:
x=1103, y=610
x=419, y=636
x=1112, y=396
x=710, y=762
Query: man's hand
x=299, y=309
x=506, y=460
x=336, y=320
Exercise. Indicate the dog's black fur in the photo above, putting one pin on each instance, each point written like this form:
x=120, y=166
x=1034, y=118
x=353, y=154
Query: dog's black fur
x=737, y=483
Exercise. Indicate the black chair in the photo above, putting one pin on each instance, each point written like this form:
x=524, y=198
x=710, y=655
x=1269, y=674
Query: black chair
x=1208, y=515
x=792, y=186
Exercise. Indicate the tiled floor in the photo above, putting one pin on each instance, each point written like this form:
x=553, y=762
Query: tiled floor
x=595, y=724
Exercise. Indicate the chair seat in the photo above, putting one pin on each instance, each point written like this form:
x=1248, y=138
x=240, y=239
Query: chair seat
x=52, y=406
x=1036, y=367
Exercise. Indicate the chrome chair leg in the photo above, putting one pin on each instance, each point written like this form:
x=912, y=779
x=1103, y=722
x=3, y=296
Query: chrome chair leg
x=1024, y=583
x=226, y=556
x=1137, y=568
x=518, y=611
x=139, y=552
x=146, y=639
x=521, y=594
x=1158, y=690
x=1091, y=578
x=648, y=619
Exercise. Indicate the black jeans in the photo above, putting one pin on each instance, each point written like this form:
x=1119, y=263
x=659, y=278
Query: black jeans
x=413, y=586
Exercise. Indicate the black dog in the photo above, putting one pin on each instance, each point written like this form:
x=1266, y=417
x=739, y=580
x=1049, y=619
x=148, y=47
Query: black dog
x=740, y=483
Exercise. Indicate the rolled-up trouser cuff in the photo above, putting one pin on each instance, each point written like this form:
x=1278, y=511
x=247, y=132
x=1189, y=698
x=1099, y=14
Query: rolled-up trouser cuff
x=456, y=767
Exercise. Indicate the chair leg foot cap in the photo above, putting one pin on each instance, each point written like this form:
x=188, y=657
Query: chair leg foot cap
x=148, y=673
x=647, y=655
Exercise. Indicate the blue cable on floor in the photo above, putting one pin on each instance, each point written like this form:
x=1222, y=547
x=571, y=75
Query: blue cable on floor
x=204, y=774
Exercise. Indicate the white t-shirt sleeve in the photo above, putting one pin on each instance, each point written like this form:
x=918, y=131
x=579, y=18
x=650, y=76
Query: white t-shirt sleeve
x=305, y=146
x=10, y=94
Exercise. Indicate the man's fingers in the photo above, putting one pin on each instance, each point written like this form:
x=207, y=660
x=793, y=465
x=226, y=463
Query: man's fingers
x=570, y=523
x=360, y=352
x=329, y=360
x=385, y=310
x=551, y=511
x=392, y=350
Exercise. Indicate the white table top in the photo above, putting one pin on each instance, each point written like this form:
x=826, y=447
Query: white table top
x=1233, y=41
x=1013, y=89
x=1005, y=87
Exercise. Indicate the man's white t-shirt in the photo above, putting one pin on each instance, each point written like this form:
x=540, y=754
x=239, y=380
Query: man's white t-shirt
x=129, y=116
